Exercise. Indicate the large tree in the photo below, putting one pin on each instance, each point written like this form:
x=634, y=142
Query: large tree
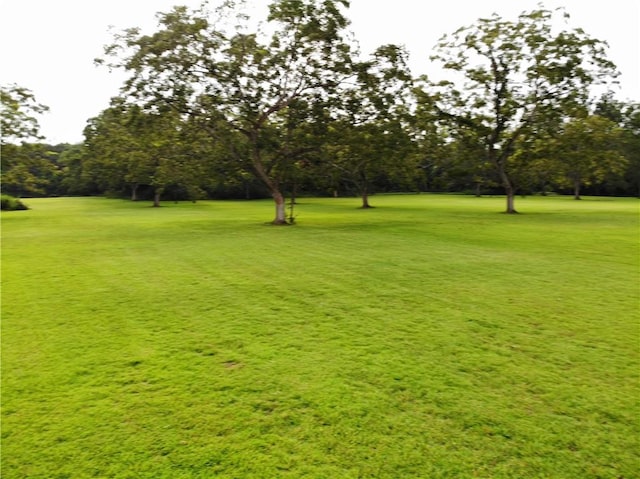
x=233, y=79
x=513, y=77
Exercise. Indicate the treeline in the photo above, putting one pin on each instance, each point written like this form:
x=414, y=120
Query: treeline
x=216, y=110
x=39, y=169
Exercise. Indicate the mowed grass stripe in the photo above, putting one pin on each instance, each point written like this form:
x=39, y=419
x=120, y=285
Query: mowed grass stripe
x=428, y=337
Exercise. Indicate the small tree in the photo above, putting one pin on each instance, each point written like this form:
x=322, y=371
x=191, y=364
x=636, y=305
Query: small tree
x=587, y=149
x=631, y=125
x=75, y=181
x=129, y=146
x=627, y=116
x=370, y=136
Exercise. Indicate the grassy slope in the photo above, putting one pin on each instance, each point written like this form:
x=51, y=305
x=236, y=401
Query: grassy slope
x=429, y=337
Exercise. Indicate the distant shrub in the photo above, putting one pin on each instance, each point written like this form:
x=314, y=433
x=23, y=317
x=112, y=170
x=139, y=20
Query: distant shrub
x=10, y=203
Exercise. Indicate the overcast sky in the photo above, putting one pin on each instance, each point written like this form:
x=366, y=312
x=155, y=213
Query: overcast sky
x=48, y=46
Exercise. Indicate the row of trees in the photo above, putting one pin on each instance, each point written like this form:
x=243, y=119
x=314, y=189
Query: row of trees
x=213, y=108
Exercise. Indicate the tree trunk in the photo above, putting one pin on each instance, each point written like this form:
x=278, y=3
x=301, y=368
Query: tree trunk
x=576, y=190
x=156, y=198
x=134, y=192
x=271, y=183
x=511, y=209
x=365, y=200
x=281, y=218
x=364, y=191
x=508, y=188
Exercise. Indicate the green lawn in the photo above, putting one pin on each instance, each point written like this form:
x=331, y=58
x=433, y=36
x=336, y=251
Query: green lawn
x=430, y=337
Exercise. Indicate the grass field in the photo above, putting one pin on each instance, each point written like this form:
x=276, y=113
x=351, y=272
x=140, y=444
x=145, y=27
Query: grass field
x=430, y=337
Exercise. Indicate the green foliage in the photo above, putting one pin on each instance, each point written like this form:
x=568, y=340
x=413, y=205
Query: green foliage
x=627, y=117
x=9, y=203
x=26, y=168
x=588, y=149
x=229, y=80
x=18, y=112
x=369, y=136
x=75, y=177
x=29, y=169
x=428, y=338
x=127, y=147
x=518, y=78
x=213, y=108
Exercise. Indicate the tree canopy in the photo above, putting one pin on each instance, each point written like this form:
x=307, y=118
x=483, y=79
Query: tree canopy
x=19, y=110
x=517, y=78
x=233, y=80
x=217, y=105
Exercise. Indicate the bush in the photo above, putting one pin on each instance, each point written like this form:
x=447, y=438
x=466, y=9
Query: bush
x=10, y=203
